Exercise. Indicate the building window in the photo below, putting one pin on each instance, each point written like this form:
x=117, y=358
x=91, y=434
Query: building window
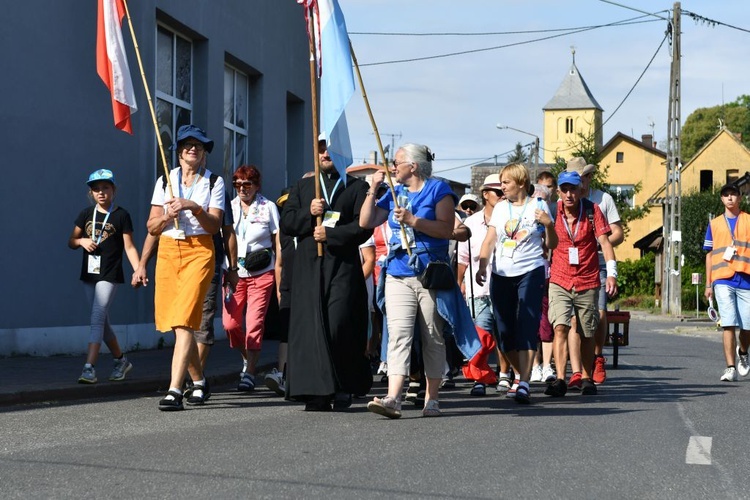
x=620, y=157
x=236, y=92
x=174, y=79
x=707, y=180
x=624, y=192
x=732, y=175
x=569, y=125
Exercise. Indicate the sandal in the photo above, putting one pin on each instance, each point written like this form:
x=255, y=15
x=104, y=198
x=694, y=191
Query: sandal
x=479, y=389
x=247, y=382
x=522, y=395
x=199, y=395
x=173, y=403
x=431, y=409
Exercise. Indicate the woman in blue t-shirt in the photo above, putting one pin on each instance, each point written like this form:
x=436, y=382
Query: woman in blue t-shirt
x=426, y=211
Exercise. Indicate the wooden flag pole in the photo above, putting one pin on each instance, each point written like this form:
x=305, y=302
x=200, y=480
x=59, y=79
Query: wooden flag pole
x=314, y=104
x=150, y=107
x=377, y=136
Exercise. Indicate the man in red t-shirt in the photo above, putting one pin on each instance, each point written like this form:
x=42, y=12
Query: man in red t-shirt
x=574, y=278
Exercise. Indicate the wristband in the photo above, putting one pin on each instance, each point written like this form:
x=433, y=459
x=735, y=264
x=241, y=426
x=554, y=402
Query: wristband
x=611, y=269
x=196, y=212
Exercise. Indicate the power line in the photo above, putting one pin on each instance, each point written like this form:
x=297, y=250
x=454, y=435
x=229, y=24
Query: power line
x=700, y=19
x=514, y=44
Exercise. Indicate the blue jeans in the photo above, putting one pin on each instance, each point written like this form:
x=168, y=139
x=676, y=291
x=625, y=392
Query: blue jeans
x=483, y=317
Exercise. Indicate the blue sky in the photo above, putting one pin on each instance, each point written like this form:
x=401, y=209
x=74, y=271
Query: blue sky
x=453, y=103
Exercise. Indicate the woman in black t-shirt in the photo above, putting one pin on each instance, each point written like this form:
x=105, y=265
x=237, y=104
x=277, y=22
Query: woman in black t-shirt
x=103, y=231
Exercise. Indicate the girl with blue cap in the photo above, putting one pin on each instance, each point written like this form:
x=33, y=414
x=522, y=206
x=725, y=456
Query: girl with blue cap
x=104, y=231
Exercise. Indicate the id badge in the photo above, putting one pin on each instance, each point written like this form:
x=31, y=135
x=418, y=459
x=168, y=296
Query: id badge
x=94, y=264
x=241, y=251
x=509, y=246
x=729, y=253
x=330, y=218
x=409, y=242
x=573, y=256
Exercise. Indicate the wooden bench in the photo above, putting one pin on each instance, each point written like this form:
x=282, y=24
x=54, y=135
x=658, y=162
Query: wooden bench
x=614, y=337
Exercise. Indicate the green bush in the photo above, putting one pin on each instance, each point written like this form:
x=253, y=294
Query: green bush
x=636, y=277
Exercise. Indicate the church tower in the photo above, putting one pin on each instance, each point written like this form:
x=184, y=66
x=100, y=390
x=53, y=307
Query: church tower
x=571, y=112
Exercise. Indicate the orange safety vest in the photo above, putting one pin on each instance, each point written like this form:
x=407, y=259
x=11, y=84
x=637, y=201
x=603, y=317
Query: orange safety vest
x=722, y=239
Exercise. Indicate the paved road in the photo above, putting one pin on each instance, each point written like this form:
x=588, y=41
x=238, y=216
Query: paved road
x=662, y=411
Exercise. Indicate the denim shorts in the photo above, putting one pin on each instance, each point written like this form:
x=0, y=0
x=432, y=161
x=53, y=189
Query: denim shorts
x=483, y=313
x=734, y=306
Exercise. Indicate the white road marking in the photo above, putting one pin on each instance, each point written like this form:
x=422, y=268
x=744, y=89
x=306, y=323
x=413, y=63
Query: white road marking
x=698, y=450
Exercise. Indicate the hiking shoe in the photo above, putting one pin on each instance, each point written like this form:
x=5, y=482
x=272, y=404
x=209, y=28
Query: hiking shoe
x=122, y=367
x=557, y=389
x=522, y=395
x=431, y=408
x=729, y=375
x=588, y=388
x=743, y=365
x=600, y=372
x=536, y=374
x=88, y=375
x=479, y=389
x=247, y=382
x=275, y=382
x=513, y=388
x=548, y=374
x=575, y=382
x=387, y=406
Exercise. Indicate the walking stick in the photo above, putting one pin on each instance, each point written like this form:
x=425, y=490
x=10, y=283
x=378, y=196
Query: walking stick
x=377, y=137
x=150, y=107
x=471, y=281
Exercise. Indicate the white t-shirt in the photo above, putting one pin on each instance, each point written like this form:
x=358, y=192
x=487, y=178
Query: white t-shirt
x=518, y=224
x=254, y=231
x=609, y=209
x=478, y=229
x=199, y=192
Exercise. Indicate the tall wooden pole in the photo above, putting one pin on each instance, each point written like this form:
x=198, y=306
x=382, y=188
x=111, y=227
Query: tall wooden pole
x=314, y=104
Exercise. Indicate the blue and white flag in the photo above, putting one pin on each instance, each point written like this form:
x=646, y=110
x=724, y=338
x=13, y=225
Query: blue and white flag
x=336, y=77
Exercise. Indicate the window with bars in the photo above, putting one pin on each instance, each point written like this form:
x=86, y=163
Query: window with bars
x=236, y=94
x=174, y=82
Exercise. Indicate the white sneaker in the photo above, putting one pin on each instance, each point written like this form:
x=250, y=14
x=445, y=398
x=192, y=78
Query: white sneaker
x=536, y=374
x=743, y=365
x=275, y=381
x=730, y=375
x=383, y=368
x=548, y=374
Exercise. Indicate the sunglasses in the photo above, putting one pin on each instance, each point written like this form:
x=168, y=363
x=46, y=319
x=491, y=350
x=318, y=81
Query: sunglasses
x=243, y=184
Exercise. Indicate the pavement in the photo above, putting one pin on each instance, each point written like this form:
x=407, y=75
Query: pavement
x=55, y=378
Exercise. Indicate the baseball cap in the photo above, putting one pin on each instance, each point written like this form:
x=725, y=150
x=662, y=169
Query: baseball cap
x=468, y=197
x=101, y=175
x=730, y=186
x=566, y=177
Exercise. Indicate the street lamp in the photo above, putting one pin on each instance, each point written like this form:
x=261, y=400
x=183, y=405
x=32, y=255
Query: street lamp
x=536, y=144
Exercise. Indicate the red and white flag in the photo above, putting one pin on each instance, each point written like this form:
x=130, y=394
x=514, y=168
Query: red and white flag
x=112, y=63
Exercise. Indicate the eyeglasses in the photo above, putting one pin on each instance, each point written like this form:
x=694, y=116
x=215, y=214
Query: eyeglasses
x=396, y=163
x=245, y=184
x=199, y=146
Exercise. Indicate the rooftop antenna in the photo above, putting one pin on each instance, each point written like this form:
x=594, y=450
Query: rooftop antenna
x=651, y=126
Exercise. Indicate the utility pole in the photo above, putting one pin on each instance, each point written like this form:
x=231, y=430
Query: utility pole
x=671, y=292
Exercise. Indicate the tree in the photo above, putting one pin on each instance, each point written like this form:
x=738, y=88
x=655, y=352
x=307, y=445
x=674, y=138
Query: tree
x=586, y=148
x=518, y=155
x=704, y=123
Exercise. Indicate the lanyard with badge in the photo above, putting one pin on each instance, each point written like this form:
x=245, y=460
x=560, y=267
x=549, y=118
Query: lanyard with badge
x=731, y=250
x=573, y=251
x=331, y=217
x=94, y=263
x=252, y=212
x=509, y=243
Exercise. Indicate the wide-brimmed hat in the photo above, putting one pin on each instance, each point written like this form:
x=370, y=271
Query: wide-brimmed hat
x=195, y=132
x=101, y=175
x=492, y=181
x=566, y=177
x=579, y=165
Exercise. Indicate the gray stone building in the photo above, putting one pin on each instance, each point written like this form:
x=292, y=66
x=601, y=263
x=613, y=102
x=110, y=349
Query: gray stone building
x=238, y=69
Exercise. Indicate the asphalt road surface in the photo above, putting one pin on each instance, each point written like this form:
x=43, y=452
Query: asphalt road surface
x=662, y=426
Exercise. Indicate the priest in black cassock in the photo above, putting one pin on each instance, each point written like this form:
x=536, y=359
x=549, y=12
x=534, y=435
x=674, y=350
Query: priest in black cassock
x=329, y=313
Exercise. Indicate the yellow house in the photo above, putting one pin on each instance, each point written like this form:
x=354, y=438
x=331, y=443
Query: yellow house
x=629, y=162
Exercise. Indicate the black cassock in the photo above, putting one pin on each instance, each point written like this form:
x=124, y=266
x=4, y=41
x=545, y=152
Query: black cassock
x=329, y=311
